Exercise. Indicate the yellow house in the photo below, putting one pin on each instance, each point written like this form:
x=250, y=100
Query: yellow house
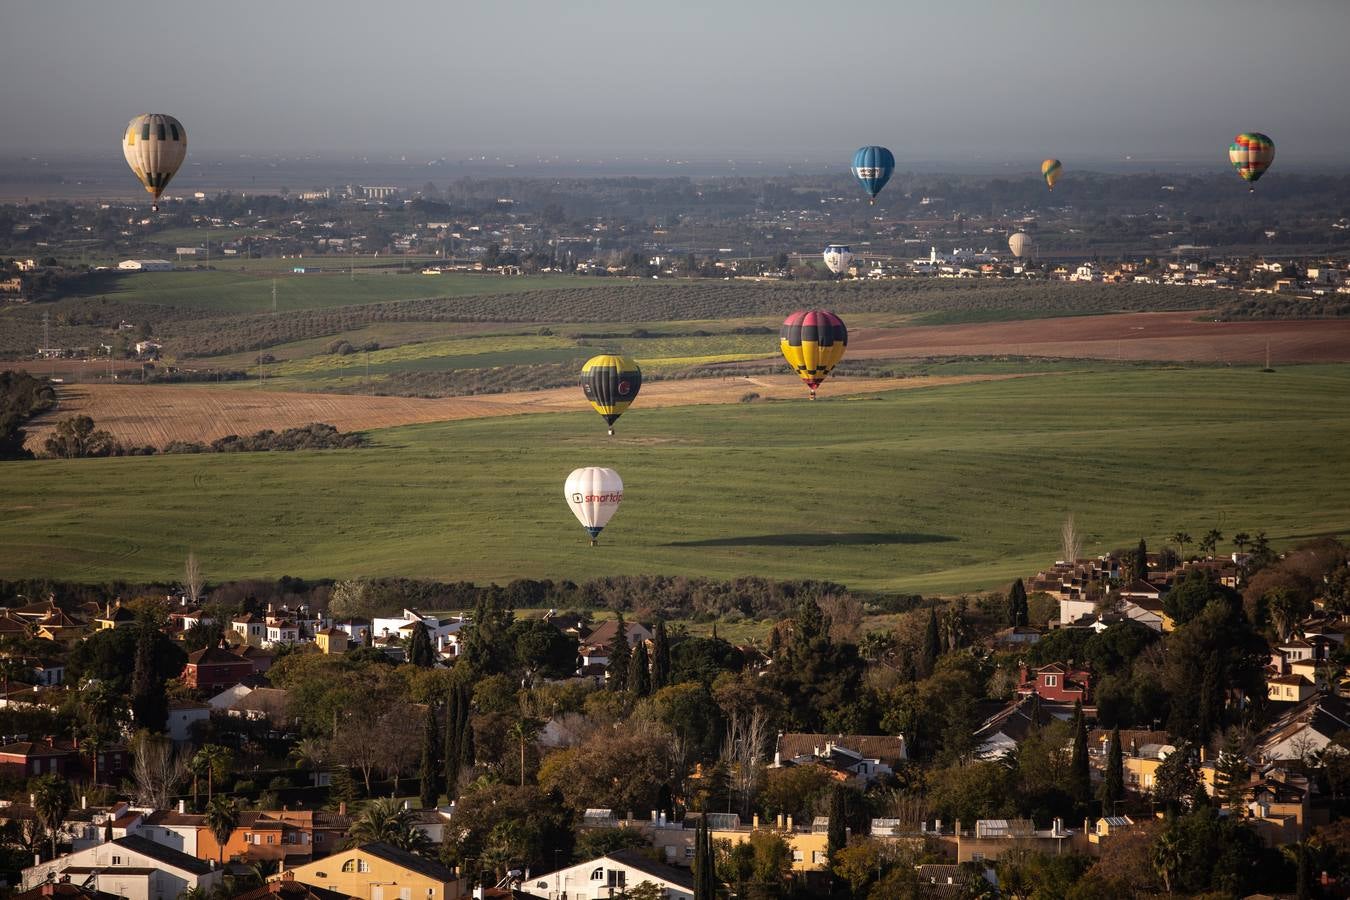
x=331, y=640
x=810, y=849
x=115, y=616
x=378, y=871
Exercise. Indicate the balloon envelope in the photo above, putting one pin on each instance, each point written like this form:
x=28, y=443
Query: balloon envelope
x=813, y=342
x=610, y=383
x=155, y=146
x=1251, y=153
x=1020, y=244
x=872, y=166
x=594, y=494
x=1050, y=172
x=837, y=258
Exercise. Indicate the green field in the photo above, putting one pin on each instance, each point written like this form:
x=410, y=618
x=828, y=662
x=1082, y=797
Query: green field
x=251, y=291
x=940, y=489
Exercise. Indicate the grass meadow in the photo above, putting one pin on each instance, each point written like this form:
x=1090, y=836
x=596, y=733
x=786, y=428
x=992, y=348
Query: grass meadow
x=932, y=490
x=234, y=290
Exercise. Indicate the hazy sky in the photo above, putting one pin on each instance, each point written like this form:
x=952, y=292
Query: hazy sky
x=933, y=80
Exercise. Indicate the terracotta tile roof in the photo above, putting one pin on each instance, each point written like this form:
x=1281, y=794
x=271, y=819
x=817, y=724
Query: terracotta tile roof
x=887, y=748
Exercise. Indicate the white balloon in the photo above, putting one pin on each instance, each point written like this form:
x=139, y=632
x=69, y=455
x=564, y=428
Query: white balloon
x=837, y=258
x=594, y=493
x=1020, y=244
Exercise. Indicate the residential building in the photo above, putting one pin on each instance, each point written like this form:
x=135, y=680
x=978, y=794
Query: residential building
x=289, y=889
x=992, y=838
x=1305, y=728
x=611, y=875
x=131, y=867
x=1058, y=683
x=853, y=756
x=331, y=640
x=378, y=871
x=213, y=669
x=145, y=265
x=115, y=616
x=1289, y=688
x=185, y=718
x=250, y=629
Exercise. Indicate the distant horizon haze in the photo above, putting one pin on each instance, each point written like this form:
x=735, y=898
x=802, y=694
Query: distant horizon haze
x=967, y=82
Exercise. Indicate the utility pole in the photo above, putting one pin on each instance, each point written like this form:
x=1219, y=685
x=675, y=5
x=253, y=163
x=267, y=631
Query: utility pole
x=274, y=296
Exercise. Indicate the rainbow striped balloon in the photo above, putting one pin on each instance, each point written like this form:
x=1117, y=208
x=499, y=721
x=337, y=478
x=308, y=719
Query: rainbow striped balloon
x=1251, y=153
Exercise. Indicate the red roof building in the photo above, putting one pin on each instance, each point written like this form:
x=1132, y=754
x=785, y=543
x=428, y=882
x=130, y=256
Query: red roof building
x=214, y=669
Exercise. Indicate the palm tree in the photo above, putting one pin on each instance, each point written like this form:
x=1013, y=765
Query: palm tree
x=386, y=820
x=524, y=730
x=1167, y=856
x=52, y=799
x=222, y=817
x=310, y=754
x=215, y=761
x=1182, y=539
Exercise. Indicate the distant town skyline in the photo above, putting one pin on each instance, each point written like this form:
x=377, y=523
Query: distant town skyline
x=964, y=81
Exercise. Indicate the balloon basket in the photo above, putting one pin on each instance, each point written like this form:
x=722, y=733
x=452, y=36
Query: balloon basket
x=611, y=432
x=594, y=542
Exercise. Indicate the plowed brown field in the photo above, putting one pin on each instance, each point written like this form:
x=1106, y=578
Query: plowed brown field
x=158, y=414
x=1169, y=336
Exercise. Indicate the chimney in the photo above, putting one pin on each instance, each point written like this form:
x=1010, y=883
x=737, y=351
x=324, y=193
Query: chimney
x=182, y=806
x=84, y=801
x=789, y=823
x=754, y=822
x=778, y=823
x=342, y=808
x=1059, y=826
x=653, y=815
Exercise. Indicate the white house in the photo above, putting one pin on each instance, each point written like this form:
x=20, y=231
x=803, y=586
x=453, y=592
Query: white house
x=183, y=715
x=229, y=697
x=444, y=633
x=145, y=265
x=610, y=876
x=250, y=628
x=131, y=867
x=1306, y=728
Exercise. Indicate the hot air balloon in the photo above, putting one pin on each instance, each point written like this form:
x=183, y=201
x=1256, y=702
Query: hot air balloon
x=1050, y=172
x=1020, y=244
x=155, y=146
x=872, y=166
x=1251, y=153
x=813, y=342
x=610, y=383
x=594, y=495
x=837, y=258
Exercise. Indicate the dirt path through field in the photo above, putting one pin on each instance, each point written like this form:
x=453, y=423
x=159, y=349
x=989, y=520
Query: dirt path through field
x=1169, y=336
x=158, y=414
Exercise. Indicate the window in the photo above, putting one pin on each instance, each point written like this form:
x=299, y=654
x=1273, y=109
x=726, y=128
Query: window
x=1051, y=680
x=598, y=874
x=355, y=865
x=271, y=839
x=404, y=893
x=798, y=856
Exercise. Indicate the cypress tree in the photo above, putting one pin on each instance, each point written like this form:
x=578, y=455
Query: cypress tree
x=1113, y=780
x=931, y=645
x=1018, y=612
x=837, y=837
x=617, y=670
x=660, y=657
x=420, y=651
x=1080, y=776
x=458, y=744
x=1139, y=563
x=149, y=702
x=639, y=676
x=432, y=764
x=705, y=879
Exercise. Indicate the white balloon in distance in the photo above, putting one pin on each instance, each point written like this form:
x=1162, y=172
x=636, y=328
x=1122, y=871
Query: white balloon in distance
x=1020, y=244
x=837, y=258
x=594, y=493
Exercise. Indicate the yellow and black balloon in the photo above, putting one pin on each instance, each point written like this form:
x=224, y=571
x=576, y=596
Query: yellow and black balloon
x=813, y=342
x=155, y=146
x=611, y=383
